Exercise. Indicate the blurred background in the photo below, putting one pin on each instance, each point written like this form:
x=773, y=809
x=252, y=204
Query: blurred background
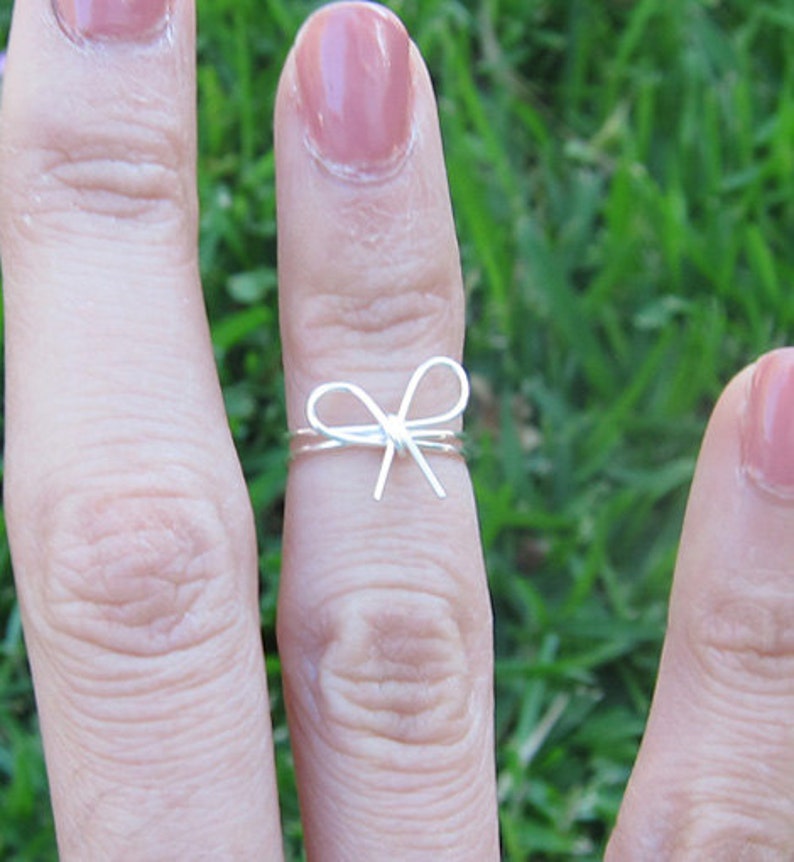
x=622, y=174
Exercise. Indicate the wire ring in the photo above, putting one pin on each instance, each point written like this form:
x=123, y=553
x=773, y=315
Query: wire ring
x=395, y=433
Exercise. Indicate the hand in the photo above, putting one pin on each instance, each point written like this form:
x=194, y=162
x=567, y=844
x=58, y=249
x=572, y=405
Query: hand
x=132, y=535
x=132, y=538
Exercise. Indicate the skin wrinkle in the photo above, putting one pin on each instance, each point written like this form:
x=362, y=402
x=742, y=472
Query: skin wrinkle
x=120, y=192
x=681, y=826
x=422, y=542
x=433, y=756
x=718, y=832
x=438, y=808
x=387, y=389
x=132, y=706
x=746, y=724
x=742, y=647
x=129, y=168
x=137, y=402
x=133, y=148
x=381, y=597
x=174, y=483
x=113, y=759
x=147, y=129
x=736, y=783
x=735, y=771
x=430, y=808
x=385, y=626
x=426, y=783
x=119, y=378
x=126, y=447
x=102, y=443
x=388, y=791
x=109, y=693
x=746, y=727
x=141, y=749
x=729, y=843
x=389, y=557
x=135, y=751
x=385, y=759
x=377, y=755
x=391, y=697
x=189, y=630
x=371, y=277
x=343, y=338
x=400, y=316
x=141, y=575
x=356, y=581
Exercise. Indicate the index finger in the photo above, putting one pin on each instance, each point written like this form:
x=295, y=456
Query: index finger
x=131, y=531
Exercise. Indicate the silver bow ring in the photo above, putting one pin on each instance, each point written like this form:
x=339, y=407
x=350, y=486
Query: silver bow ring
x=395, y=433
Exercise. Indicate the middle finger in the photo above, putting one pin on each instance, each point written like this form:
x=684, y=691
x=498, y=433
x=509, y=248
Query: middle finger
x=384, y=619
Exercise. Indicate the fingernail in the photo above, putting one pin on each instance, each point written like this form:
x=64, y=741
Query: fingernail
x=125, y=20
x=354, y=77
x=769, y=424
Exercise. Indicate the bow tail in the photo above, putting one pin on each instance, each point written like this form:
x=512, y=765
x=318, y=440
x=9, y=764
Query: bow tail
x=385, y=466
x=421, y=462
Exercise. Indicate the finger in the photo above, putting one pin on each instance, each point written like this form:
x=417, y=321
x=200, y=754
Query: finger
x=130, y=527
x=715, y=776
x=384, y=620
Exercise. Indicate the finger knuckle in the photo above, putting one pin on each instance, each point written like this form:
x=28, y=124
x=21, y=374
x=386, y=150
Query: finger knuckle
x=741, y=849
x=707, y=818
x=746, y=642
x=137, y=573
x=127, y=170
x=395, y=315
x=716, y=838
x=393, y=666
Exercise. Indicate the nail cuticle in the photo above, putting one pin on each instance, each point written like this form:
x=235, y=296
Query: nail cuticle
x=767, y=426
x=774, y=493
x=362, y=174
x=108, y=22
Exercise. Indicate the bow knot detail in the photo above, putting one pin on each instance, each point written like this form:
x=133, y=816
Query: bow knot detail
x=395, y=430
x=395, y=433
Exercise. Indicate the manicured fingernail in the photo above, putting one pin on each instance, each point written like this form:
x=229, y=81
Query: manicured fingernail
x=354, y=78
x=124, y=20
x=769, y=424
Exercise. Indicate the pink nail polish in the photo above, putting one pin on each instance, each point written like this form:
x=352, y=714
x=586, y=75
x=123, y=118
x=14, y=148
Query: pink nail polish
x=354, y=77
x=124, y=20
x=769, y=424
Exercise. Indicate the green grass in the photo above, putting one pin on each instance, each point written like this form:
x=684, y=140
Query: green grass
x=623, y=179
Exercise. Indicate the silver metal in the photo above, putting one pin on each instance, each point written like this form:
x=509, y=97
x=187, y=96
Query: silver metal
x=395, y=433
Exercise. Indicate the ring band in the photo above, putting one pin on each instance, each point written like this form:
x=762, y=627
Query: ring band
x=395, y=433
